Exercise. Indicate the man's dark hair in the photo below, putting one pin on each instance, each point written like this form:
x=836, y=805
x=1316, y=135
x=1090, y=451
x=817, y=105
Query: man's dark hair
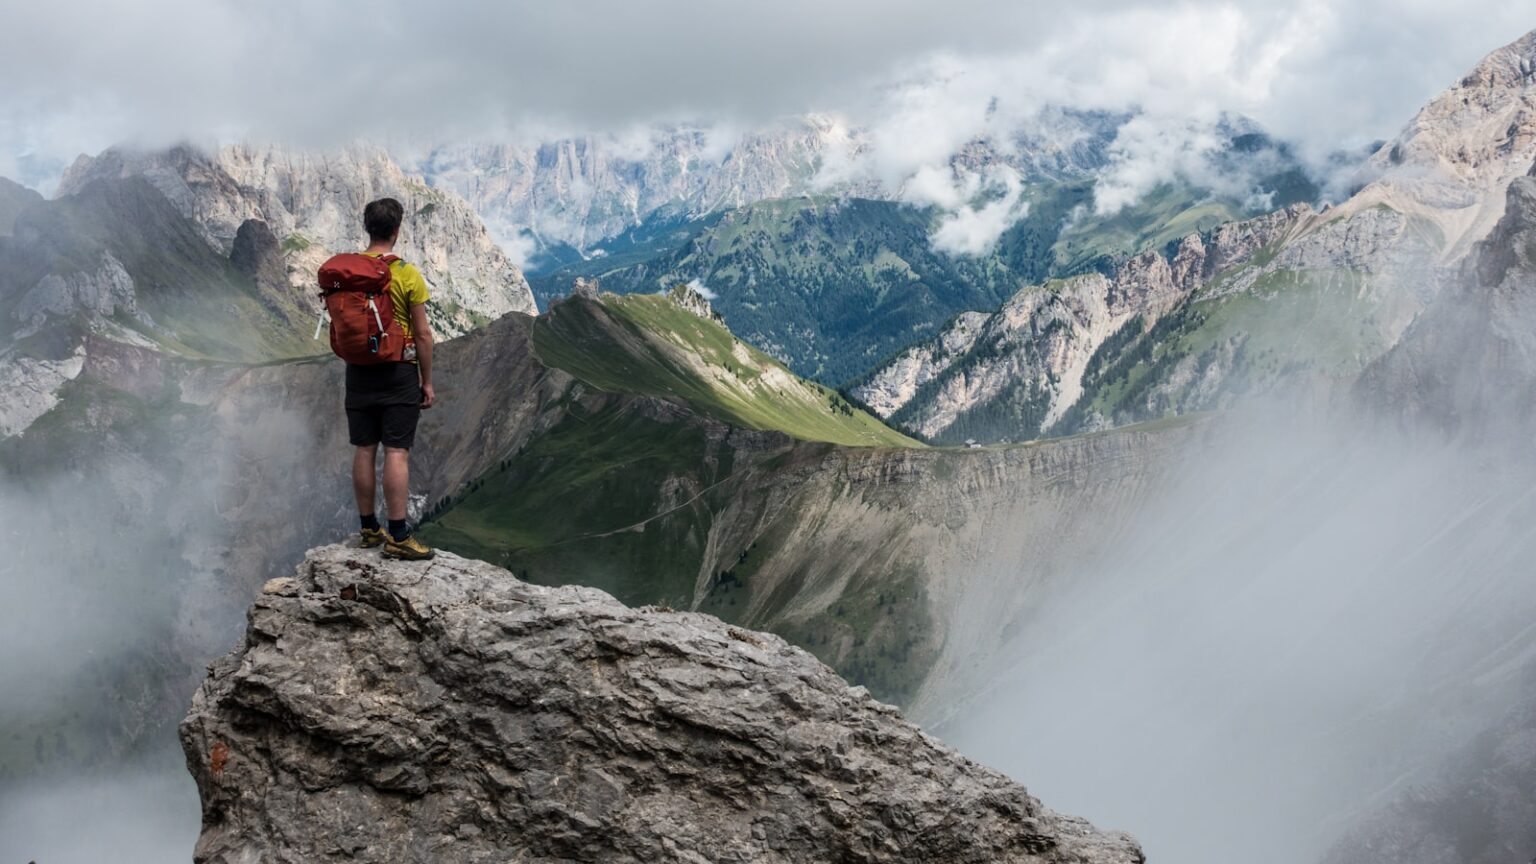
x=382, y=218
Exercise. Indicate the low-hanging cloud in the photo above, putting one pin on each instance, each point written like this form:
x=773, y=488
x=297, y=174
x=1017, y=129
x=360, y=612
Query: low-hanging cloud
x=976, y=208
x=703, y=290
x=1301, y=626
x=78, y=79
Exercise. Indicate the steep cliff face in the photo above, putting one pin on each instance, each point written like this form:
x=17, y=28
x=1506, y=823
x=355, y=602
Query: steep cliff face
x=312, y=202
x=398, y=712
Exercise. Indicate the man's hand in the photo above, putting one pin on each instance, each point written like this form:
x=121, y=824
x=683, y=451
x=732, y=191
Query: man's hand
x=422, y=329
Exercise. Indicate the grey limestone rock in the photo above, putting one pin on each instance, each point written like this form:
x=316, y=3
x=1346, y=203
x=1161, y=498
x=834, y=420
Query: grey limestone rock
x=386, y=711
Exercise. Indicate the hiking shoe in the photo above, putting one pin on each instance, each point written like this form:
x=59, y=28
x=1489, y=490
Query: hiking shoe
x=409, y=549
x=371, y=537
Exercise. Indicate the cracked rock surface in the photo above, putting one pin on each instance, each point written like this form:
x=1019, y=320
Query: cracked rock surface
x=446, y=711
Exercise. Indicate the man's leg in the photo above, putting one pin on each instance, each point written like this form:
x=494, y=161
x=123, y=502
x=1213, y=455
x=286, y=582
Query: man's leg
x=397, y=481
x=364, y=482
x=399, y=434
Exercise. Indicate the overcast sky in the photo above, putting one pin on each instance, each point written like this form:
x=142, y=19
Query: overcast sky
x=1323, y=73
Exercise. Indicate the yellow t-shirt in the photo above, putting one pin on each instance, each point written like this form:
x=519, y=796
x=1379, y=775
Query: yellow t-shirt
x=407, y=288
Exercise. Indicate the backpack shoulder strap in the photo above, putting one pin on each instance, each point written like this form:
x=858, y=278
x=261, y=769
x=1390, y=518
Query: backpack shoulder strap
x=389, y=260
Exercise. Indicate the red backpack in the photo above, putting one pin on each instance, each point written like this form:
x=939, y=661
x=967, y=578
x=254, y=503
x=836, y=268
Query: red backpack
x=355, y=288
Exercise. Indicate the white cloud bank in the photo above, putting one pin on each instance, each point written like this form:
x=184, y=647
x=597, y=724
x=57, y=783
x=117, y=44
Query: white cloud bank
x=925, y=78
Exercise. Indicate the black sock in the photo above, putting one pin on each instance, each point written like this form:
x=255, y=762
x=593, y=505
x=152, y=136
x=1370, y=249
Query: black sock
x=397, y=530
x=370, y=522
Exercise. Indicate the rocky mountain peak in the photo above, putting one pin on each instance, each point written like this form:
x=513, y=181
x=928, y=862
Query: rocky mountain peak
x=312, y=202
x=1452, y=162
x=386, y=711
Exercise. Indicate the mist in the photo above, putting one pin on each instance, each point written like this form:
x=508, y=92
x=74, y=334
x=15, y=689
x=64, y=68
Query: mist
x=143, y=815
x=103, y=633
x=123, y=577
x=1297, y=630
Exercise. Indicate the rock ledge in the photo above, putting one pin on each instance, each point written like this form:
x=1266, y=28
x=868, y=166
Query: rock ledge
x=383, y=711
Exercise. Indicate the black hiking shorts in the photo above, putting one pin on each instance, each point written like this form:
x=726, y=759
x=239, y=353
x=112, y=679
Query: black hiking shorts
x=383, y=404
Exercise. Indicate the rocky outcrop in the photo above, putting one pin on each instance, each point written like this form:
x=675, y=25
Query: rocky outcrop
x=313, y=203
x=421, y=712
x=690, y=299
x=895, y=384
x=99, y=292
x=31, y=387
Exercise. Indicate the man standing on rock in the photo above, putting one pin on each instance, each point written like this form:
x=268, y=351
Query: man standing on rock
x=378, y=310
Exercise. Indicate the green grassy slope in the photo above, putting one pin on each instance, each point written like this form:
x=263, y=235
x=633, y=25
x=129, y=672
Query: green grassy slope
x=1165, y=215
x=647, y=344
x=666, y=510
x=583, y=501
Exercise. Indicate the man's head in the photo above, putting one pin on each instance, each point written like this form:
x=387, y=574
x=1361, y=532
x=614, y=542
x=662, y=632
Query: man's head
x=382, y=219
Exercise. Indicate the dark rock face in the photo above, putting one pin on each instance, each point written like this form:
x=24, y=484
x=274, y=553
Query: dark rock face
x=257, y=253
x=447, y=711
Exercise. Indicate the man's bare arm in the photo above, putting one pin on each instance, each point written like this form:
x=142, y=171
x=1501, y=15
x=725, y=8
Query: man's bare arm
x=423, y=335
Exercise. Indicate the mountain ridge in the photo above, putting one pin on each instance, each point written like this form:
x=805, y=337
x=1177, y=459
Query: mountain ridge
x=1311, y=309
